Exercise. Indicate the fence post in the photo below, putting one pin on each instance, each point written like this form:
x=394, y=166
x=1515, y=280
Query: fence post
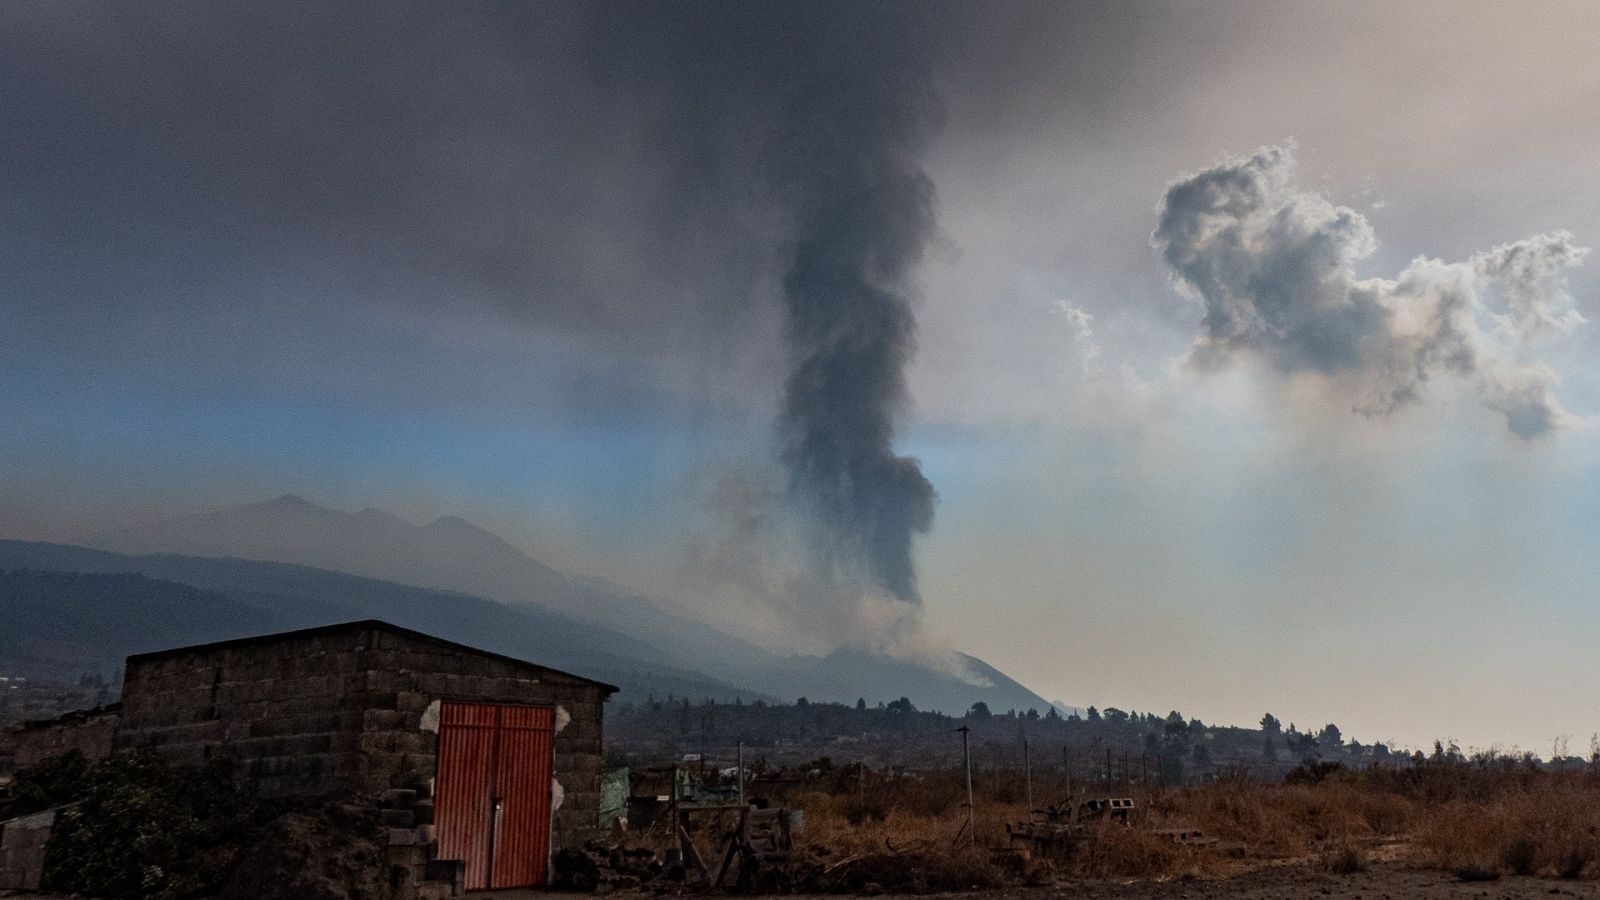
x=966, y=756
x=1027, y=775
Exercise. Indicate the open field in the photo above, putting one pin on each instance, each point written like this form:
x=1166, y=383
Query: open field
x=1491, y=828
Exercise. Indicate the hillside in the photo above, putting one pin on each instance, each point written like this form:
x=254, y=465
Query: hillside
x=452, y=554
x=64, y=624
x=185, y=600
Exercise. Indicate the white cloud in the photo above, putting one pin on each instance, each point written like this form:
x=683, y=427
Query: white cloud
x=1274, y=267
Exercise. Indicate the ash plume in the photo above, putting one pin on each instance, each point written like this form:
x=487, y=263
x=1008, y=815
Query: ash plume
x=1274, y=266
x=863, y=209
x=836, y=105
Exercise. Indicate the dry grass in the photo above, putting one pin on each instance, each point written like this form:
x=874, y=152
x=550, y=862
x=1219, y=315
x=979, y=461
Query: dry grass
x=1551, y=831
x=1475, y=822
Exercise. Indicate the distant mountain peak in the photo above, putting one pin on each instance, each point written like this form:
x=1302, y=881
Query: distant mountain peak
x=287, y=501
x=373, y=514
x=460, y=529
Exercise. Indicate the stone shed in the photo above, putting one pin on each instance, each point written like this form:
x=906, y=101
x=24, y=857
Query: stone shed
x=488, y=761
x=88, y=731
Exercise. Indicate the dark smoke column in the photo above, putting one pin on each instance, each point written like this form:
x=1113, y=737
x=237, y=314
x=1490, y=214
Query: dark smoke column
x=858, y=118
x=825, y=109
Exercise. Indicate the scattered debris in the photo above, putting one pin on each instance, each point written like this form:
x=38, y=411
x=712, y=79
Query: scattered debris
x=1194, y=837
x=1069, y=827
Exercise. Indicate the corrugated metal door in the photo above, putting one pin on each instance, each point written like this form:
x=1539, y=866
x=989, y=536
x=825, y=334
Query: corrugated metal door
x=464, y=786
x=522, y=776
x=493, y=792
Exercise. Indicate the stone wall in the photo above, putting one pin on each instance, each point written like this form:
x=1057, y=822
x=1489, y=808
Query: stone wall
x=22, y=843
x=288, y=712
x=89, y=732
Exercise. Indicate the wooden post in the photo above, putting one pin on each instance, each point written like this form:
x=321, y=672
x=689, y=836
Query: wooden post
x=966, y=756
x=1027, y=775
x=740, y=772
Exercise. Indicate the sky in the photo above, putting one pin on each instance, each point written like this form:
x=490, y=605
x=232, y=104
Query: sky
x=1246, y=351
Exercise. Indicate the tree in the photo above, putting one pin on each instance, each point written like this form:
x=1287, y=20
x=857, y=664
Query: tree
x=903, y=705
x=1053, y=713
x=861, y=704
x=802, y=703
x=1330, y=735
x=1171, y=769
x=1033, y=714
x=1115, y=716
x=1271, y=725
x=1093, y=714
x=1269, y=749
x=979, y=710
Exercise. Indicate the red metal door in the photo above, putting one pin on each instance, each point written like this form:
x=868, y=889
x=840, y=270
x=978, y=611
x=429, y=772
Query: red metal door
x=522, y=779
x=463, y=786
x=492, y=806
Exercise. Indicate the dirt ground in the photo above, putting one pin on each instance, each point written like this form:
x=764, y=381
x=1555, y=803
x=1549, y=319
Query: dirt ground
x=1384, y=881
x=1280, y=881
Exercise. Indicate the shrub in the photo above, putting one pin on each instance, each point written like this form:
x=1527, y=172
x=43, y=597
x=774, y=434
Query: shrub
x=331, y=853
x=142, y=829
x=52, y=782
x=1521, y=856
x=1343, y=858
x=1314, y=771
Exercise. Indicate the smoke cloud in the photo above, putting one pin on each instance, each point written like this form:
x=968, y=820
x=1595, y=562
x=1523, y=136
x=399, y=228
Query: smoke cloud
x=863, y=209
x=1274, y=267
x=824, y=110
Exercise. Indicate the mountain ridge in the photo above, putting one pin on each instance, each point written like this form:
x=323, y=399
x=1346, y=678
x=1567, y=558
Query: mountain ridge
x=451, y=553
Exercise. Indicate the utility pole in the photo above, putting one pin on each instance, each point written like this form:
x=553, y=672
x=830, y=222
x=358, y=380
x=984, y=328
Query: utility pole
x=966, y=756
x=739, y=749
x=1027, y=774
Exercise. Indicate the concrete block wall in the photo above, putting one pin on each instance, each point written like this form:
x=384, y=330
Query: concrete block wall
x=289, y=712
x=89, y=732
x=22, y=844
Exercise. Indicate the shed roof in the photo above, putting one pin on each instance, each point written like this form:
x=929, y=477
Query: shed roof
x=359, y=626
